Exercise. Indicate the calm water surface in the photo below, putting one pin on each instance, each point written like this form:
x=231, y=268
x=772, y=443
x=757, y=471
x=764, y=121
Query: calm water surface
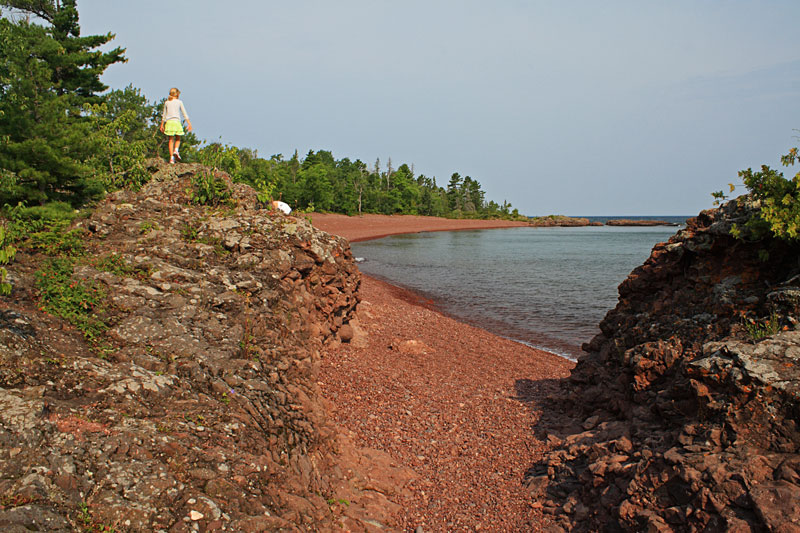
x=546, y=287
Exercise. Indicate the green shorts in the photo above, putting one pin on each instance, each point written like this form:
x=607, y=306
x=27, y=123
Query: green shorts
x=173, y=127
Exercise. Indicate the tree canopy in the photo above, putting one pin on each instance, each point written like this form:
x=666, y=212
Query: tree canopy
x=48, y=73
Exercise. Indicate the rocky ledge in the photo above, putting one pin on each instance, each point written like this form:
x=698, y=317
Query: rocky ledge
x=684, y=418
x=565, y=221
x=561, y=221
x=201, y=409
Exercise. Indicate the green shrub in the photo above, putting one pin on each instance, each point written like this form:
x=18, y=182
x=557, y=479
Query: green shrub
x=56, y=242
x=76, y=301
x=189, y=233
x=7, y=252
x=222, y=157
x=24, y=221
x=760, y=329
x=779, y=198
x=264, y=189
x=41, y=228
x=117, y=265
x=148, y=226
x=210, y=190
x=118, y=160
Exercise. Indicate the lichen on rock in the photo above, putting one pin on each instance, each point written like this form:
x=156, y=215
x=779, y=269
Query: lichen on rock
x=205, y=412
x=679, y=417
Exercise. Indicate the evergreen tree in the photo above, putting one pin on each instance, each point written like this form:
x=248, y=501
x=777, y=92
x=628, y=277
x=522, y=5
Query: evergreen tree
x=294, y=166
x=454, y=192
x=473, y=195
x=464, y=197
x=407, y=189
x=47, y=75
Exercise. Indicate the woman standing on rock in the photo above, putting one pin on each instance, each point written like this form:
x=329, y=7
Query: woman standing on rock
x=171, y=123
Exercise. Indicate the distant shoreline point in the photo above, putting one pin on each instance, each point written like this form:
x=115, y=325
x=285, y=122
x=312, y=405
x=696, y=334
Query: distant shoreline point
x=630, y=222
x=565, y=221
x=372, y=226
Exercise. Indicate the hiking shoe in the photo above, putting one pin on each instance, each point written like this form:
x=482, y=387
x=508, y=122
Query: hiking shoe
x=172, y=160
x=177, y=155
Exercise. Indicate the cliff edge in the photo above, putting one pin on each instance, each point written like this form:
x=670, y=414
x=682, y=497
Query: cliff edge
x=196, y=407
x=685, y=408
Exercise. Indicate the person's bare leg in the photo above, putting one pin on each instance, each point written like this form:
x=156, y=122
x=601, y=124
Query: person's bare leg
x=172, y=140
x=177, y=145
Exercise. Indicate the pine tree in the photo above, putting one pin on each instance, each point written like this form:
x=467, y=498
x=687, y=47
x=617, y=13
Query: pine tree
x=454, y=192
x=47, y=75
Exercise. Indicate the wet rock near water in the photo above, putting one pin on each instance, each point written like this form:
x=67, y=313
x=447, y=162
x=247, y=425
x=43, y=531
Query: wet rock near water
x=199, y=408
x=679, y=417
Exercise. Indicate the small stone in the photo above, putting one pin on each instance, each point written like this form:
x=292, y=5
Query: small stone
x=346, y=333
x=624, y=444
x=591, y=422
x=412, y=347
x=194, y=515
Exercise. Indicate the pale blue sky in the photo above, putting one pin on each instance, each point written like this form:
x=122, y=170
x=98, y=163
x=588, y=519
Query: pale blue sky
x=570, y=107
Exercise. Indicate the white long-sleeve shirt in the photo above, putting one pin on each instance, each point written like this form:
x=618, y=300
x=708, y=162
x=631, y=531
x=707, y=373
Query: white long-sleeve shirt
x=173, y=109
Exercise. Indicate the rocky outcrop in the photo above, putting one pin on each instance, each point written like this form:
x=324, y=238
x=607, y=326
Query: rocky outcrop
x=565, y=221
x=561, y=221
x=682, y=417
x=199, y=408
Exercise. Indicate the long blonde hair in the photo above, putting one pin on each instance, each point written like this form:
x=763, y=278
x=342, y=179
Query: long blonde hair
x=174, y=93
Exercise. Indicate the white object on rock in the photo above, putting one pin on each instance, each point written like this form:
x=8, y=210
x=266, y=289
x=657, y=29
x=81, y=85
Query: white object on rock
x=281, y=206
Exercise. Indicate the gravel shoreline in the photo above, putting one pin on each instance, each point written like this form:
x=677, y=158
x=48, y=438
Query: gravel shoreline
x=367, y=227
x=453, y=402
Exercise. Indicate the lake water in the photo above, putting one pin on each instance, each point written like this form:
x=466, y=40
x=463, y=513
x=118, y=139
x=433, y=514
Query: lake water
x=546, y=287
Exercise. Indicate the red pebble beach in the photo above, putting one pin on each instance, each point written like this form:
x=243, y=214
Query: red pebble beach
x=452, y=402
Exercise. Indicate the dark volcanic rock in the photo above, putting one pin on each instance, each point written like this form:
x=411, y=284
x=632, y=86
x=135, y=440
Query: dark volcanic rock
x=681, y=419
x=204, y=411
